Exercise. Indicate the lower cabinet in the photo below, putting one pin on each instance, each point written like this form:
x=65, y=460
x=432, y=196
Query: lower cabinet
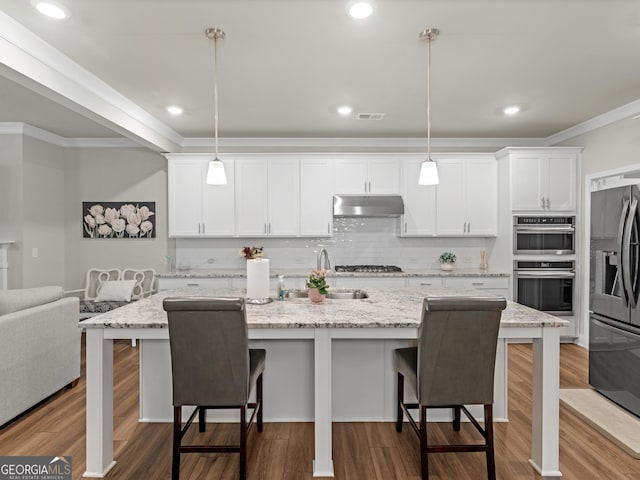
x=182, y=282
x=496, y=285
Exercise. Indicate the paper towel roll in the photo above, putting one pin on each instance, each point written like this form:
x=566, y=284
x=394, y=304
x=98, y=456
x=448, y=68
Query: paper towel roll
x=258, y=278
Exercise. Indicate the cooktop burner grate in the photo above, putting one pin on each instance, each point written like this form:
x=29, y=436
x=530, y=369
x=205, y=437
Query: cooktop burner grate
x=367, y=268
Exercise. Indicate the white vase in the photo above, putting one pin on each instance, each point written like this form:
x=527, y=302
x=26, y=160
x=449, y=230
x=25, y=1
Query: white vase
x=446, y=266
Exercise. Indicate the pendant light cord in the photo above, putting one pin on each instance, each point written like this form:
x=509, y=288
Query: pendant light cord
x=429, y=98
x=215, y=92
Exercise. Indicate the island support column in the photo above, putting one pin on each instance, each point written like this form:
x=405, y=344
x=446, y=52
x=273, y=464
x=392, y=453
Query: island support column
x=323, y=461
x=99, y=454
x=545, y=439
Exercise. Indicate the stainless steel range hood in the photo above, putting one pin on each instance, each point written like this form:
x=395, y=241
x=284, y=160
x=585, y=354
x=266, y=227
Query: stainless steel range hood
x=367, y=206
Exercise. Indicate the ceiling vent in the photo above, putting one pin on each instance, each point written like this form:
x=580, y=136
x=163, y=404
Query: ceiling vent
x=370, y=116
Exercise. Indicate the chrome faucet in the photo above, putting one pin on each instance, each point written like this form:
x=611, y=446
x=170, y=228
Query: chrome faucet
x=327, y=263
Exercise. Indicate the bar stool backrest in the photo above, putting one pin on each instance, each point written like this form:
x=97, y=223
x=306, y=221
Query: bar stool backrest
x=209, y=345
x=457, y=350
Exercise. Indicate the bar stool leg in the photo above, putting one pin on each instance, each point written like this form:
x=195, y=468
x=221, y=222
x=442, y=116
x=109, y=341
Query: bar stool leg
x=488, y=428
x=177, y=431
x=424, y=459
x=400, y=413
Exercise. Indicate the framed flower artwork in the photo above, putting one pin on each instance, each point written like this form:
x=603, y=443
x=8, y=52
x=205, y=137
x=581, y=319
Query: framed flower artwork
x=118, y=219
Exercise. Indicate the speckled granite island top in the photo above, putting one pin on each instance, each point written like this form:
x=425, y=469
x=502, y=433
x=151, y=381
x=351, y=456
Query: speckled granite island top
x=303, y=273
x=385, y=307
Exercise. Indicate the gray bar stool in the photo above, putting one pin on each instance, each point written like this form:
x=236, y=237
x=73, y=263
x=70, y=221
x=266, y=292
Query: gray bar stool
x=212, y=367
x=452, y=366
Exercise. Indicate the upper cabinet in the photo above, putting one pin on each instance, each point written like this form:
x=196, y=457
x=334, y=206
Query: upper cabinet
x=543, y=179
x=367, y=174
x=419, y=217
x=466, y=197
x=316, y=197
x=195, y=208
x=267, y=196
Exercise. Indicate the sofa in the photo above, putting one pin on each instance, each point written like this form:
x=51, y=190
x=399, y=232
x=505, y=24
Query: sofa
x=39, y=347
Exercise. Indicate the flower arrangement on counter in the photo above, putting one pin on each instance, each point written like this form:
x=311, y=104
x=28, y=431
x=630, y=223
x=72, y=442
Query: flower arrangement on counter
x=447, y=257
x=317, y=280
x=250, y=253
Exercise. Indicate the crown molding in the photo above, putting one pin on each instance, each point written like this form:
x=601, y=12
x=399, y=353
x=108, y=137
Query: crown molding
x=621, y=113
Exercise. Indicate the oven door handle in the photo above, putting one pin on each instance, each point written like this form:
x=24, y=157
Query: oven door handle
x=555, y=229
x=530, y=274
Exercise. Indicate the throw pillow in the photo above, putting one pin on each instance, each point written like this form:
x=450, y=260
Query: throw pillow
x=22, y=298
x=116, y=291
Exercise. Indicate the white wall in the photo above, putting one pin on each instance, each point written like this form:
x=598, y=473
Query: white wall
x=44, y=214
x=11, y=200
x=113, y=175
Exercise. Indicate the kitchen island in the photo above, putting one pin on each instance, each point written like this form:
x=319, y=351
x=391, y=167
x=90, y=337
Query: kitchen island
x=316, y=354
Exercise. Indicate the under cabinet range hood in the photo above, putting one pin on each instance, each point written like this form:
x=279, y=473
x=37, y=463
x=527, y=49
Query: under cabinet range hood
x=367, y=206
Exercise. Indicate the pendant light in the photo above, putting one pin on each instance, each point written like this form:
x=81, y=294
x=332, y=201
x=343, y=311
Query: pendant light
x=429, y=168
x=215, y=174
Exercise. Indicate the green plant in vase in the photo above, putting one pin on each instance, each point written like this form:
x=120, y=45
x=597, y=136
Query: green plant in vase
x=317, y=285
x=447, y=259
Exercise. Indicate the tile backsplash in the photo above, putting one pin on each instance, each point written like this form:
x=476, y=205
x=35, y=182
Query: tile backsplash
x=355, y=241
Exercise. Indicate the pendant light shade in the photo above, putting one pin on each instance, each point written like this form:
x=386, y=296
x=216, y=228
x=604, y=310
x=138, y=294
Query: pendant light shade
x=429, y=168
x=428, y=173
x=215, y=174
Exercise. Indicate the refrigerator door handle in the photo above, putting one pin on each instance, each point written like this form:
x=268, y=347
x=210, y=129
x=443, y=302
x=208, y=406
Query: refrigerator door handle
x=629, y=271
x=622, y=270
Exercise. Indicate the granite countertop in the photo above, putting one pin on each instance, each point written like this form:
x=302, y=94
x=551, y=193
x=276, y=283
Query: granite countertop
x=303, y=273
x=385, y=307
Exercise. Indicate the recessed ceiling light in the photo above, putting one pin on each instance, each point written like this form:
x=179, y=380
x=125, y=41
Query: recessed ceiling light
x=344, y=110
x=175, y=110
x=51, y=9
x=512, y=110
x=360, y=9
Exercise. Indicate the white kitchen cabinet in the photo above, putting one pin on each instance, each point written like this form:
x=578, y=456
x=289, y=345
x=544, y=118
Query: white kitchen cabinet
x=466, y=197
x=419, y=217
x=267, y=197
x=366, y=174
x=425, y=282
x=496, y=285
x=170, y=283
x=195, y=208
x=543, y=179
x=316, y=197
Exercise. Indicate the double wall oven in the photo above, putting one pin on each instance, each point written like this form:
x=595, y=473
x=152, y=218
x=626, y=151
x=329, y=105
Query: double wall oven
x=544, y=268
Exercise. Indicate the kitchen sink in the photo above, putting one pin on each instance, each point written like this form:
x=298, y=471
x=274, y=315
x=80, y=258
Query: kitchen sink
x=334, y=293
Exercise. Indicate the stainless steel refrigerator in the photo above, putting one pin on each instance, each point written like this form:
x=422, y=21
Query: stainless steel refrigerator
x=614, y=333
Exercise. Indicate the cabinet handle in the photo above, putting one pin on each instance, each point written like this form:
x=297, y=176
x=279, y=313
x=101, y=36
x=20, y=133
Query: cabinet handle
x=199, y=229
x=426, y=284
x=477, y=284
x=193, y=284
x=369, y=186
x=469, y=227
x=328, y=227
x=265, y=228
x=543, y=203
x=365, y=186
x=269, y=228
x=203, y=229
x=405, y=227
x=548, y=204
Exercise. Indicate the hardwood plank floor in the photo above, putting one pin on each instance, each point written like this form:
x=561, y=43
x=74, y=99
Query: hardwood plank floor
x=284, y=451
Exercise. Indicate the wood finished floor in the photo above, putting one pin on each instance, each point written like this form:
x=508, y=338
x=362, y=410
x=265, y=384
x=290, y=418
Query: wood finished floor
x=284, y=451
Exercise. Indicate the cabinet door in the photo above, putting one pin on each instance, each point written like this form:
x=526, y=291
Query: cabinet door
x=251, y=197
x=482, y=197
x=185, y=197
x=218, y=205
x=562, y=182
x=316, y=199
x=419, y=217
x=527, y=191
x=351, y=176
x=284, y=198
x=383, y=176
x=451, y=197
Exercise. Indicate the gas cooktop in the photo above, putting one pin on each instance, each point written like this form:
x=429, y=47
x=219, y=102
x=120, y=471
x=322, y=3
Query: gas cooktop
x=367, y=268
